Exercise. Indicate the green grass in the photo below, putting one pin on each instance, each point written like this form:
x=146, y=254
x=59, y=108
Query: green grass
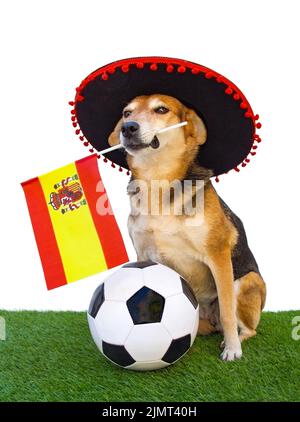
x=50, y=356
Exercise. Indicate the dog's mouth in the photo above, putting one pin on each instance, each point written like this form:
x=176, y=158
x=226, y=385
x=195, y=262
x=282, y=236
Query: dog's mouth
x=135, y=145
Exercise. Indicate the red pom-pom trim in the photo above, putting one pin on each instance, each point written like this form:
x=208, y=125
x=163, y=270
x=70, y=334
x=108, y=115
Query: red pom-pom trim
x=170, y=68
x=181, y=69
x=104, y=76
x=140, y=65
x=153, y=67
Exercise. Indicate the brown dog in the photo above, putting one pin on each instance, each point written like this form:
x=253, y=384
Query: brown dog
x=214, y=256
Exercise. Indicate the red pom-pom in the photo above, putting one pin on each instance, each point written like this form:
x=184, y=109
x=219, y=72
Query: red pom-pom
x=91, y=150
x=71, y=103
x=80, y=97
x=111, y=70
x=73, y=118
x=243, y=105
x=86, y=144
x=248, y=114
x=105, y=160
x=208, y=75
x=153, y=66
x=195, y=71
x=228, y=91
x=104, y=76
x=74, y=124
x=256, y=117
x=254, y=146
x=258, y=125
x=77, y=131
x=258, y=139
x=140, y=65
x=98, y=156
x=236, y=96
x=120, y=169
x=217, y=179
x=181, y=69
x=128, y=173
x=73, y=111
x=236, y=169
x=219, y=79
x=244, y=164
x=253, y=153
x=113, y=165
x=81, y=138
x=247, y=160
x=170, y=68
x=125, y=68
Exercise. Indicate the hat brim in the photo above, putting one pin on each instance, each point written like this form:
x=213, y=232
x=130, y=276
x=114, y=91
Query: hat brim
x=227, y=114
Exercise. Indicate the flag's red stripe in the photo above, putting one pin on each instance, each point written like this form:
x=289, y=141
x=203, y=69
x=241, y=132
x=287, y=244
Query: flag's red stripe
x=44, y=234
x=107, y=228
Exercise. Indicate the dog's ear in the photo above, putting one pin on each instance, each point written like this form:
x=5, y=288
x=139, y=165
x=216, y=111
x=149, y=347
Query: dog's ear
x=114, y=137
x=195, y=129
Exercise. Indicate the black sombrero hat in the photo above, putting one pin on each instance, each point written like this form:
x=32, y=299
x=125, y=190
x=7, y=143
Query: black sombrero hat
x=229, y=119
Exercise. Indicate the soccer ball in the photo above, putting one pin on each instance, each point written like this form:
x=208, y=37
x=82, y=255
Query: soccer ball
x=144, y=316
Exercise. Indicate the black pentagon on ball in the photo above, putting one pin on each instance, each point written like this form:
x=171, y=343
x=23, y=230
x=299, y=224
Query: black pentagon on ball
x=146, y=306
x=118, y=354
x=177, y=349
x=188, y=291
x=139, y=264
x=96, y=301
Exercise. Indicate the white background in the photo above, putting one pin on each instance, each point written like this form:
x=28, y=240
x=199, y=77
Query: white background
x=47, y=48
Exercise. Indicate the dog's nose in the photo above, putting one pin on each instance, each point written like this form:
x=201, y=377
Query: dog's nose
x=129, y=128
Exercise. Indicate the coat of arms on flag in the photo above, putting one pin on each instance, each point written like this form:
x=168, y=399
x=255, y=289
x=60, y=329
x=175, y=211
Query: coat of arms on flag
x=74, y=239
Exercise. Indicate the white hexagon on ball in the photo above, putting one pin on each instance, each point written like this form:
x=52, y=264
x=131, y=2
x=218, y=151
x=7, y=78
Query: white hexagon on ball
x=169, y=282
x=148, y=342
x=113, y=322
x=181, y=322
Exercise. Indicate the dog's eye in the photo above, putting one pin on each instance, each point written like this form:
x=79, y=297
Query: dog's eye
x=126, y=113
x=161, y=110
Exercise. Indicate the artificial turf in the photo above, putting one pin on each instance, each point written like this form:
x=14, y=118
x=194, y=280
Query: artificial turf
x=50, y=356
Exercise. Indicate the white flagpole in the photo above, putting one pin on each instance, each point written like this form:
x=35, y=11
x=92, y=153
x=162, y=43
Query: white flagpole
x=165, y=129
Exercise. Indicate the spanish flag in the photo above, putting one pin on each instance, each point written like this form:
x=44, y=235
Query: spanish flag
x=75, y=229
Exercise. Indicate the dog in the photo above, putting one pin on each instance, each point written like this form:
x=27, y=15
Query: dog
x=214, y=257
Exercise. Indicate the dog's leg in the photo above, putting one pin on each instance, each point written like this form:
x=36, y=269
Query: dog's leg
x=221, y=268
x=251, y=295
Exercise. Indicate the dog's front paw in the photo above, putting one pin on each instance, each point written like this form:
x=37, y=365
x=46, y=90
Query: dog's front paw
x=231, y=353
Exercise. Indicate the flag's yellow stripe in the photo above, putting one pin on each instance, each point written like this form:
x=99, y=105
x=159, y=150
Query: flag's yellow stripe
x=76, y=236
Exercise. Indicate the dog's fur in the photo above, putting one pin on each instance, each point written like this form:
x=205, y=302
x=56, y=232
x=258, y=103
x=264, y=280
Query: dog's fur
x=213, y=257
